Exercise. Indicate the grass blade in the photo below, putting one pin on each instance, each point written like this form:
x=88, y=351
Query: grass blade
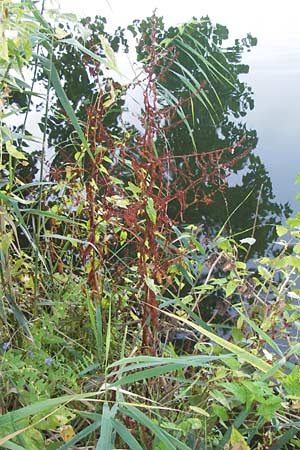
x=105, y=441
x=140, y=417
x=126, y=435
x=260, y=332
x=232, y=348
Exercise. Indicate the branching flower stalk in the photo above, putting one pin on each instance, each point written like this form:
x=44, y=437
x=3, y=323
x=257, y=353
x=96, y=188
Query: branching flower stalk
x=159, y=179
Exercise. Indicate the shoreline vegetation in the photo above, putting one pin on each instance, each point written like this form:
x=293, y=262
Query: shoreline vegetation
x=137, y=310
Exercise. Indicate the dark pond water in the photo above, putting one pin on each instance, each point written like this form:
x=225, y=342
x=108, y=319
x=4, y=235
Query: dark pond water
x=274, y=78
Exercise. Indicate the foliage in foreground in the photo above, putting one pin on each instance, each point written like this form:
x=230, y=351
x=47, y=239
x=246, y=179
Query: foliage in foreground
x=104, y=344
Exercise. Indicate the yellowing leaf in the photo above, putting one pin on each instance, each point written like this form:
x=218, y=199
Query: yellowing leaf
x=264, y=273
x=237, y=441
x=280, y=230
x=297, y=248
x=60, y=33
x=109, y=53
x=11, y=150
x=200, y=411
x=67, y=433
x=3, y=45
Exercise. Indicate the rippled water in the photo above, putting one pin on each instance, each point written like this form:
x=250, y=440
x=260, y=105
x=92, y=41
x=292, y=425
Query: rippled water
x=275, y=80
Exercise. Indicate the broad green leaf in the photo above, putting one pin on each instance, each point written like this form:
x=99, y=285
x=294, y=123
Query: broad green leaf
x=268, y=407
x=12, y=151
x=224, y=244
x=297, y=248
x=294, y=222
x=151, y=212
x=280, y=230
x=264, y=273
x=220, y=411
x=134, y=189
x=230, y=288
x=151, y=285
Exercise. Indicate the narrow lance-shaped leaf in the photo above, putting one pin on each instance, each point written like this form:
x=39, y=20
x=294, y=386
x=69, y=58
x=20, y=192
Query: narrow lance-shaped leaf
x=248, y=357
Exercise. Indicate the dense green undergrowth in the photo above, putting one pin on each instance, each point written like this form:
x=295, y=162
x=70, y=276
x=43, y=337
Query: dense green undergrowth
x=122, y=326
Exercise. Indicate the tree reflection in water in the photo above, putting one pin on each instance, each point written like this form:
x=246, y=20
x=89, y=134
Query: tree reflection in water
x=215, y=117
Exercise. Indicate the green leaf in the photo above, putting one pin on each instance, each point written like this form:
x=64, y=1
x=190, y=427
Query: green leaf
x=263, y=336
x=151, y=212
x=297, y=248
x=148, y=373
x=294, y=222
x=134, y=189
x=224, y=244
x=105, y=440
x=140, y=417
x=126, y=435
x=200, y=411
x=12, y=446
x=230, y=288
x=109, y=53
x=151, y=285
x=3, y=45
x=240, y=352
x=280, y=230
x=268, y=407
x=65, y=102
x=266, y=275
x=60, y=33
x=12, y=151
x=292, y=382
x=284, y=439
x=220, y=411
